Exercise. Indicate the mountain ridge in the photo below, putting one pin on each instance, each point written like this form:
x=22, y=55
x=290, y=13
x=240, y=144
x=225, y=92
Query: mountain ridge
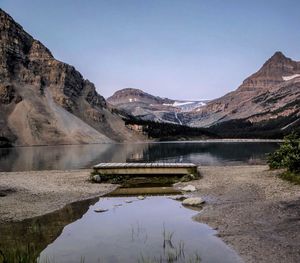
x=149, y=107
x=272, y=94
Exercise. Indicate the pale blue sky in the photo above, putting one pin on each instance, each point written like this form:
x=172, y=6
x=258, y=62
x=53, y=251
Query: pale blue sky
x=187, y=49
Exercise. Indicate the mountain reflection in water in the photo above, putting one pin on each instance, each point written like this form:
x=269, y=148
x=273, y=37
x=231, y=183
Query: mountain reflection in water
x=85, y=156
x=30, y=237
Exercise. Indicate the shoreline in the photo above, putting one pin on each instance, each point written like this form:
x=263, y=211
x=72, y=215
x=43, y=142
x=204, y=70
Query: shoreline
x=253, y=210
x=30, y=194
x=152, y=141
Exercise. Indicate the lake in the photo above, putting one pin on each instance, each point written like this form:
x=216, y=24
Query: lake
x=85, y=156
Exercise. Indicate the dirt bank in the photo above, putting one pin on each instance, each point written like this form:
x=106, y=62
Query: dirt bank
x=29, y=194
x=254, y=211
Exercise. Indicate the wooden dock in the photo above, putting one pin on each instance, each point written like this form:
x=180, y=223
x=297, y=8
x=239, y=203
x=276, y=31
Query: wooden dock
x=145, y=168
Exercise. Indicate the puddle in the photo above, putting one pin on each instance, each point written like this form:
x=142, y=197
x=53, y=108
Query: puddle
x=155, y=229
x=28, y=238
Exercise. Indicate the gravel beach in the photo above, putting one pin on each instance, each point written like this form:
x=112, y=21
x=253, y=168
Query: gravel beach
x=28, y=194
x=253, y=210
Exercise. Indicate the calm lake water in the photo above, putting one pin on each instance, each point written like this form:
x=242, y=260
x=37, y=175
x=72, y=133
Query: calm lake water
x=85, y=156
x=156, y=229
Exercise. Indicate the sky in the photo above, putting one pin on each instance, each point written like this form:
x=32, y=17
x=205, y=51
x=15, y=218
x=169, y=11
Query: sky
x=180, y=49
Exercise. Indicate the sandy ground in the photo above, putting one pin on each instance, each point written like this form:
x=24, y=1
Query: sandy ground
x=28, y=194
x=253, y=210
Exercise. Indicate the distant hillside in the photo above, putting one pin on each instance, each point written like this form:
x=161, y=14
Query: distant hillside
x=153, y=108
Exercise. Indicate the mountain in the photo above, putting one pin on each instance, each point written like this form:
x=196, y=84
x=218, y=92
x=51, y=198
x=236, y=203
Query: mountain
x=148, y=107
x=269, y=97
x=266, y=103
x=46, y=101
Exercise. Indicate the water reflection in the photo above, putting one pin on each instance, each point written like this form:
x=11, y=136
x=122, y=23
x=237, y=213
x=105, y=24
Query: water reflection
x=84, y=156
x=156, y=229
x=28, y=238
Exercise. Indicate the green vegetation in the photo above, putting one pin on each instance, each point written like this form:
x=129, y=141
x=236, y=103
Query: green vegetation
x=4, y=142
x=288, y=157
x=235, y=129
x=268, y=129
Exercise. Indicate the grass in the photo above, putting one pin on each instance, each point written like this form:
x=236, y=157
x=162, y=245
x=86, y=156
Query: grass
x=291, y=177
x=172, y=251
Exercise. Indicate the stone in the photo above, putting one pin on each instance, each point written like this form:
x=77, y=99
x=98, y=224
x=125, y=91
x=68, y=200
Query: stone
x=140, y=197
x=97, y=178
x=179, y=198
x=189, y=188
x=193, y=201
x=128, y=201
x=99, y=210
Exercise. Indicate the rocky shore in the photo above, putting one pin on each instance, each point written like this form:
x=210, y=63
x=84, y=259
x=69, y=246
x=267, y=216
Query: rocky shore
x=29, y=194
x=253, y=210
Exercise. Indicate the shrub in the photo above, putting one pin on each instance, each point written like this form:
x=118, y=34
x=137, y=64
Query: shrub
x=288, y=155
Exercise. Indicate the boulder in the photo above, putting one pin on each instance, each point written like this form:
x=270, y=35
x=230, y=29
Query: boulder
x=189, y=188
x=193, y=201
x=99, y=210
x=179, y=197
x=97, y=178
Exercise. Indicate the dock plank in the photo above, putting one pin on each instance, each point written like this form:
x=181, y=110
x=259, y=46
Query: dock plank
x=145, y=168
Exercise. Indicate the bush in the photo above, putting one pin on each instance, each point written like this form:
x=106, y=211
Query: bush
x=288, y=155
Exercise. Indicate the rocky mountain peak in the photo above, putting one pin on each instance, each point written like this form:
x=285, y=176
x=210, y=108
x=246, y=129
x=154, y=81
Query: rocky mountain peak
x=279, y=63
x=129, y=95
x=271, y=73
x=278, y=55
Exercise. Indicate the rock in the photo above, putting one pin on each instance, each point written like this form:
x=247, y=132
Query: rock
x=140, y=197
x=188, y=177
x=99, y=210
x=128, y=201
x=189, y=188
x=97, y=178
x=179, y=198
x=193, y=201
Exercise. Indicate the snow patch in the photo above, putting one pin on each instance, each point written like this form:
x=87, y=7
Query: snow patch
x=287, y=78
x=177, y=103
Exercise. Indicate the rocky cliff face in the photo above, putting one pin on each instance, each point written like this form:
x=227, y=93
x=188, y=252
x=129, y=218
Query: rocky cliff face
x=45, y=101
x=271, y=93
